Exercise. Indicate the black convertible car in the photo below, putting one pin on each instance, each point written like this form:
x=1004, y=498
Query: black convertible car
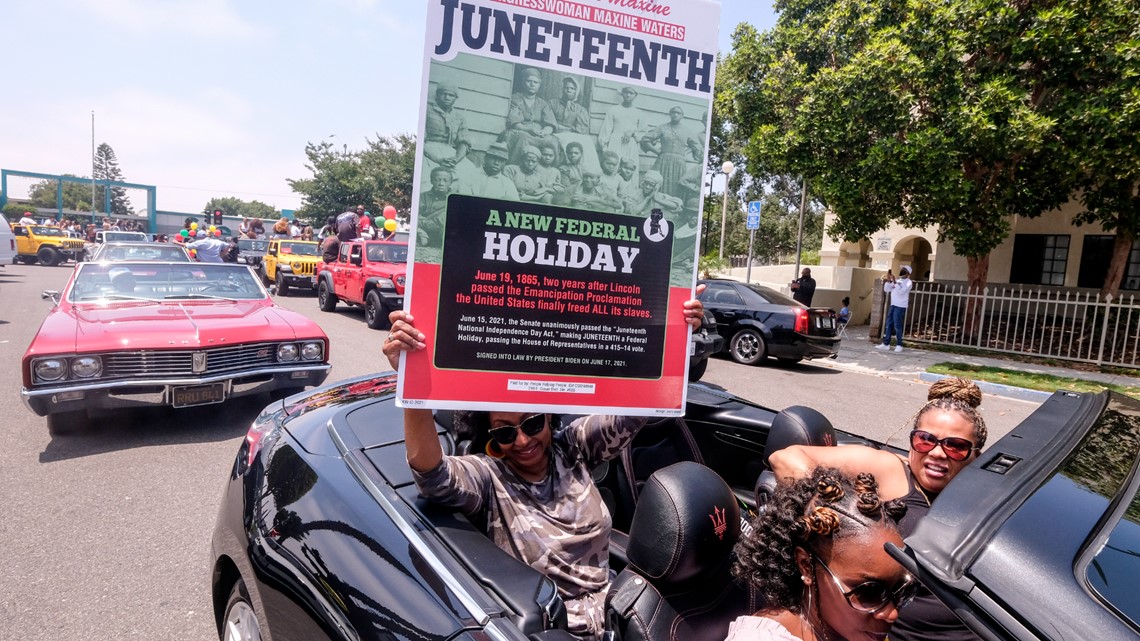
x=322, y=535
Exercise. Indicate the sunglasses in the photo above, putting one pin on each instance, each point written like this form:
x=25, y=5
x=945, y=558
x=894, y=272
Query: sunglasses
x=955, y=448
x=873, y=596
x=530, y=426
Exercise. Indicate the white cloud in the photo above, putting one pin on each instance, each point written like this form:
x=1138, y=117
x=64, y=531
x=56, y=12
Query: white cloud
x=199, y=18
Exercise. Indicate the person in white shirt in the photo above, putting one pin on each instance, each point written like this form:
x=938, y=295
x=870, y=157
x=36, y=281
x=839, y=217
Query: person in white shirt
x=899, y=289
x=27, y=219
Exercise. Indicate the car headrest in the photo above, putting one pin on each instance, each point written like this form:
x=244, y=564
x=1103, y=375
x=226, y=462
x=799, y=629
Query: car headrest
x=798, y=425
x=687, y=520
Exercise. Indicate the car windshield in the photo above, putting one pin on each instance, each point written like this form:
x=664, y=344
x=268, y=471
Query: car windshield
x=772, y=296
x=111, y=236
x=150, y=251
x=251, y=245
x=47, y=231
x=163, y=282
x=1101, y=468
x=388, y=252
x=300, y=249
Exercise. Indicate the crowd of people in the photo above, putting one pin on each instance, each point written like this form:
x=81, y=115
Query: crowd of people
x=76, y=228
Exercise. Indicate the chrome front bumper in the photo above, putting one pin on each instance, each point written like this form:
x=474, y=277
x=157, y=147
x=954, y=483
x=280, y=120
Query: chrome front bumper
x=158, y=391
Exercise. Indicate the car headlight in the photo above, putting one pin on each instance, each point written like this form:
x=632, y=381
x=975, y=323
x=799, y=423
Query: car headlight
x=385, y=283
x=49, y=369
x=285, y=267
x=87, y=366
x=287, y=352
x=312, y=351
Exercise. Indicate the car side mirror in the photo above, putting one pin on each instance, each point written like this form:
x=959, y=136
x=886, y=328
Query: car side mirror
x=50, y=293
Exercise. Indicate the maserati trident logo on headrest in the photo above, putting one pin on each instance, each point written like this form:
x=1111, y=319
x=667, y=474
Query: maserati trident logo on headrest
x=720, y=526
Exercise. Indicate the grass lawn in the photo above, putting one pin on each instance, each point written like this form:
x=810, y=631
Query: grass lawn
x=1028, y=380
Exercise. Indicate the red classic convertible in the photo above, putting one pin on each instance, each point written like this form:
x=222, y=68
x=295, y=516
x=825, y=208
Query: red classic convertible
x=135, y=334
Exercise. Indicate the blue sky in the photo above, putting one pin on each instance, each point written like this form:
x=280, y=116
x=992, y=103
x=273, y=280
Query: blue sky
x=212, y=98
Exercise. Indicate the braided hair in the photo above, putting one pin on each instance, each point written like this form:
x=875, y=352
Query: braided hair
x=808, y=513
x=960, y=395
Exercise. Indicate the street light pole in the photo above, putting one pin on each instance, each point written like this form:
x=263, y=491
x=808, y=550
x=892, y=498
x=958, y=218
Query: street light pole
x=727, y=168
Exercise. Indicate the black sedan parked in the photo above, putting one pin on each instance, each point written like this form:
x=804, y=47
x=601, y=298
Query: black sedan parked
x=757, y=322
x=322, y=534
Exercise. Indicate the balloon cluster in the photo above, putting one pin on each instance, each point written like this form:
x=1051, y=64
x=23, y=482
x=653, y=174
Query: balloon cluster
x=390, y=218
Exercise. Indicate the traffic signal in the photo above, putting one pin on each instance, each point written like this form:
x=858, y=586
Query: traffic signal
x=217, y=217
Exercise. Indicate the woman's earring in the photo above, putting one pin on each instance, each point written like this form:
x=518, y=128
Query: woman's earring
x=492, y=450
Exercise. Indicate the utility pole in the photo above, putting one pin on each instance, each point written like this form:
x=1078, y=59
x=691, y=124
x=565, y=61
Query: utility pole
x=800, y=233
x=92, y=166
x=727, y=168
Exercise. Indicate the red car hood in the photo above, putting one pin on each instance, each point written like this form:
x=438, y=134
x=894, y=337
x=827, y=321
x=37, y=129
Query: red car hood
x=167, y=325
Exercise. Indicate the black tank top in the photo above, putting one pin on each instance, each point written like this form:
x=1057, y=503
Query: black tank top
x=925, y=618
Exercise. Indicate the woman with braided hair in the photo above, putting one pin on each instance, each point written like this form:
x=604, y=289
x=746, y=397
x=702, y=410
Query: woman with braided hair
x=947, y=435
x=816, y=556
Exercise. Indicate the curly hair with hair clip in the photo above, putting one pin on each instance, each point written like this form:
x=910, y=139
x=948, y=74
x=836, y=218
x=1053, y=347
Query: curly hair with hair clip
x=810, y=513
x=957, y=394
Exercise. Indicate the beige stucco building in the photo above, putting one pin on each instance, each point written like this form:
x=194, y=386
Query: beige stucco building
x=1049, y=250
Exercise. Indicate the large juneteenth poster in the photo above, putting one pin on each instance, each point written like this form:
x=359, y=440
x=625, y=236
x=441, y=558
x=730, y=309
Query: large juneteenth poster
x=557, y=203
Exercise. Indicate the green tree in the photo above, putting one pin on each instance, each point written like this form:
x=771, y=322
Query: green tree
x=379, y=175
x=107, y=168
x=932, y=114
x=76, y=196
x=242, y=208
x=1099, y=64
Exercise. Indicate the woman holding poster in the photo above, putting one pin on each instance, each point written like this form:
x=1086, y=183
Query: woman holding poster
x=533, y=486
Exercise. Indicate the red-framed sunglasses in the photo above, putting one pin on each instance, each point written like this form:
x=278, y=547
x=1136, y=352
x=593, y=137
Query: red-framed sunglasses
x=955, y=448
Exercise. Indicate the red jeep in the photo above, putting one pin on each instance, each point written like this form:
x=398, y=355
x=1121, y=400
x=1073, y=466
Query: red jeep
x=369, y=273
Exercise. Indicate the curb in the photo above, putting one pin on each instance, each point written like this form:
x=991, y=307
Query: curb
x=1008, y=391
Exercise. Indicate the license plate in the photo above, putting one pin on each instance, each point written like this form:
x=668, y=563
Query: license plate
x=692, y=348
x=198, y=395
x=824, y=323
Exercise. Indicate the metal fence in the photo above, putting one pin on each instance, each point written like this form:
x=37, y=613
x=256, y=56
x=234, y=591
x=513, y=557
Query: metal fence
x=1069, y=325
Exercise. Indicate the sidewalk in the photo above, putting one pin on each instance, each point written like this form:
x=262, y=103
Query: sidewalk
x=857, y=353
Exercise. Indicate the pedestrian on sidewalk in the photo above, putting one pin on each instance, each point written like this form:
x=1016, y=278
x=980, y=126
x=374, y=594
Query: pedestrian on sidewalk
x=899, y=289
x=803, y=288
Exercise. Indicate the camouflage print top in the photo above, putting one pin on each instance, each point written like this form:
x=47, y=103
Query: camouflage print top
x=559, y=526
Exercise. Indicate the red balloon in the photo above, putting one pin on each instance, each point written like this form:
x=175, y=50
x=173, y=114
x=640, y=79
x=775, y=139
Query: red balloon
x=390, y=212
x=217, y=232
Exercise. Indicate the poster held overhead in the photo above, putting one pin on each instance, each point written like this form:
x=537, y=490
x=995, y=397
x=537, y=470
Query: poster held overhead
x=554, y=220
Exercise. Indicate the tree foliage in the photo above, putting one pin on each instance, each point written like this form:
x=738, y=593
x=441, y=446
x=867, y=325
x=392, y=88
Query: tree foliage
x=377, y=176
x=107, y=168
x=76, y=196
x=242, y=208
x=953, y=114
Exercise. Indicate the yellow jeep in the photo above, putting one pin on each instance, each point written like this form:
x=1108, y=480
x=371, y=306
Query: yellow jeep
x=291, y=263
x=45, y=245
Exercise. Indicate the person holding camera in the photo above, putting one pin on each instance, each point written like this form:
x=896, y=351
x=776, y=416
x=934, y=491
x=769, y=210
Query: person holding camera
x=803, y=288
x=899, y=289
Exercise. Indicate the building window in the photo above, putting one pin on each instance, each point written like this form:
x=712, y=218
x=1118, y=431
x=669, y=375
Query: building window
x=1039, y=259
x=1096, y=254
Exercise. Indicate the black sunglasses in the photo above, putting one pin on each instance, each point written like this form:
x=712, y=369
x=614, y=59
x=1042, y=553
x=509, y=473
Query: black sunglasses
x=955, y=448
x=873, y=596
x=530, y=426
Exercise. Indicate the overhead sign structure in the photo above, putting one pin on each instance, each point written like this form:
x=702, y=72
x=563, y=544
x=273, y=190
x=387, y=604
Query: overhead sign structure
x=557, y=203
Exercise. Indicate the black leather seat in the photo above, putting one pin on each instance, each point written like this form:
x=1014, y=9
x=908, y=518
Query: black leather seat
x=658, y=445
x=795, y=425
x=678, y=584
